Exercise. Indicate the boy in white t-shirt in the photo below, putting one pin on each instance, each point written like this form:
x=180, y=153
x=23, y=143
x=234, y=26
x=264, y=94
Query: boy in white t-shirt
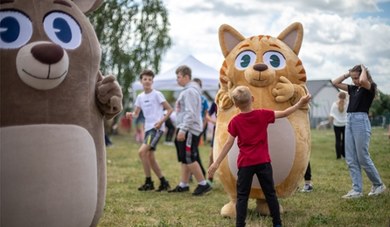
x=152, y=103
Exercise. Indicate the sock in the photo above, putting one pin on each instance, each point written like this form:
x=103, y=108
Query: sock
x=148, y=179
x=163, y=180
x=203, y=182
x=183, y=185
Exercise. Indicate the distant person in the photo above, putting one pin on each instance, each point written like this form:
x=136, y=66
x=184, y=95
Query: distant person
x=170, y=132
x=205, y=107
x=308, y=186
x=212, y=112
x=140, y=127
x=338, y=118
x=204, y=110
x=108, y=132
x=189, y=129
x=152, y=103
x=250, y=126
x=358, y=130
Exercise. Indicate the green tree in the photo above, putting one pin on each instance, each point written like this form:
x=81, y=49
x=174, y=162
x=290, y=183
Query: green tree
x=133, y=36
x=380, y=110
x=381, y=104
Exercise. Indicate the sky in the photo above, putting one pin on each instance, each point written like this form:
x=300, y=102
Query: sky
x=338, y=34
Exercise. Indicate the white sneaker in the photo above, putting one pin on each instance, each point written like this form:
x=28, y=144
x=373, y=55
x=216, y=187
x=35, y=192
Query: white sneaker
x=307, y=188
x=352, y=195
x=376, y=190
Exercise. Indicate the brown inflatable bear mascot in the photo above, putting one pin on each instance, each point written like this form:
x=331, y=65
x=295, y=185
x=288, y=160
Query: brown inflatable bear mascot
x=53, y=102
x=270, y=67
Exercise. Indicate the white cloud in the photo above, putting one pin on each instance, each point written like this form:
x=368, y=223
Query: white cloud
x=337, y=33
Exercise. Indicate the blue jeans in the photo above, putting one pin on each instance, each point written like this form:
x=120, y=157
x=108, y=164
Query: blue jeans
x=357, y=140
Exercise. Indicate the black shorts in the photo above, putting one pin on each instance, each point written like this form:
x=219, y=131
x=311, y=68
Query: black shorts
x=187, y=150
x=152, y=137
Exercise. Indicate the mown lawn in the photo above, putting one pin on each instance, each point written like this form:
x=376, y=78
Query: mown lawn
x=126, y=206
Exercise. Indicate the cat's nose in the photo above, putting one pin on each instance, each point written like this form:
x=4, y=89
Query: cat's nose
x=260, y=67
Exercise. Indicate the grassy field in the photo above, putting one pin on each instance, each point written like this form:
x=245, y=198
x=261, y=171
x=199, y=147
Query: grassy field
x=126, y=206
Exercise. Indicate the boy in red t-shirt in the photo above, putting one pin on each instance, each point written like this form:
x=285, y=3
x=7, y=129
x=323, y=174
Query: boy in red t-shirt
x=250, y=126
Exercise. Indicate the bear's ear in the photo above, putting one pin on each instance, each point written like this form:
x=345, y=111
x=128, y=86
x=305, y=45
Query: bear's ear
x=293, y=36
x=87, y=6
x=228, y=38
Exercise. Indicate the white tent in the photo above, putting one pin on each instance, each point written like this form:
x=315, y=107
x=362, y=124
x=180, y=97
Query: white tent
x=167, y=80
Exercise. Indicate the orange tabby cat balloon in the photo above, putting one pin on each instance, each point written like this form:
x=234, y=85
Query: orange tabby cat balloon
x=275, y=75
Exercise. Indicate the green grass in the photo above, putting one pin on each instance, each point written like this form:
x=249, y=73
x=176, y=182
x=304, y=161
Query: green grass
x=126, y=206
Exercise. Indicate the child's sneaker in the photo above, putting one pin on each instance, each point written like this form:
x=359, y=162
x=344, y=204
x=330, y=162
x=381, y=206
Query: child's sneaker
x=146, y=187
x=164, y=187
x=201, y=189
x=352, y=195
x=376, y=190
x=180, y=189
x=307, y=188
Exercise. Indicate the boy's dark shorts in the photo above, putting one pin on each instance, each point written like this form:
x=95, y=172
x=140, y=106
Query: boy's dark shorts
x=187, y=150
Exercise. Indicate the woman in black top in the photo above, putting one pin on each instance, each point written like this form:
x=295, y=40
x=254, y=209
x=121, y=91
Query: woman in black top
x=358, y=130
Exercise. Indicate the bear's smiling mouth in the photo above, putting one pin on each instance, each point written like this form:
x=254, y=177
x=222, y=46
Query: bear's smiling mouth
x=48, y=76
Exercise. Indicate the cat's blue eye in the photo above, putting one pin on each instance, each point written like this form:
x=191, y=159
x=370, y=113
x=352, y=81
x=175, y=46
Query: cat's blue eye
x=245, y=59
x=274, y=59
x=15, y=29
x=63, y=30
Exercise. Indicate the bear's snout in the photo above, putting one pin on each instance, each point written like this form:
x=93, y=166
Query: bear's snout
x=42, y=65
x=47, y=53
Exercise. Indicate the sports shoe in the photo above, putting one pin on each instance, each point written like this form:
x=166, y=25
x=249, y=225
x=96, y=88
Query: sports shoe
x=180, y=189
x=352, y=195
x=307, y=188
x=146, y=187
x=163, y=187
x=201, y=189
x=376, y=190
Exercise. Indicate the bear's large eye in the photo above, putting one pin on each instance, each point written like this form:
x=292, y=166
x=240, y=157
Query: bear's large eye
x=15, y=29
x=274, y=59
x=245, y=59
x=63, y=30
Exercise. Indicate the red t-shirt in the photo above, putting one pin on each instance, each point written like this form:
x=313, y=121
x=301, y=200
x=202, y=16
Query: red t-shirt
x=251, y=132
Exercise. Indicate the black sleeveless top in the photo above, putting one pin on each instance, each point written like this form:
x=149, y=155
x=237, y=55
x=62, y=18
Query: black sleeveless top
x=360, y=99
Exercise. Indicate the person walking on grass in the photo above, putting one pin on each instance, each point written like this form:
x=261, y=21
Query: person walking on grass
x=358, y=130
x=250, y=126
x=152, y=103
x=338, y=118
x=189, y=128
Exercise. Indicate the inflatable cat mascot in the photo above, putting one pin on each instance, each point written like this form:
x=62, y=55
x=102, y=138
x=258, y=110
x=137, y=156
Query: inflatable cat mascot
x=272, y=70
x=53, y=102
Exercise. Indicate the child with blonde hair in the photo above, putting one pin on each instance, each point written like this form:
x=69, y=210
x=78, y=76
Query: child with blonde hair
x=250, y=127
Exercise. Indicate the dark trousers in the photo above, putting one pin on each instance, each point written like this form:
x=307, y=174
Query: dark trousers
x=170, y=130
x=308, y=173
x=244, y=183
x=339, y=132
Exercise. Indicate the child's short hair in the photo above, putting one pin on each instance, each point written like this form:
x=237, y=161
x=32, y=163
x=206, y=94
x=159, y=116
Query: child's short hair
x=199, y=81
x=184, y=70
x=241, y=96
x=146, y=72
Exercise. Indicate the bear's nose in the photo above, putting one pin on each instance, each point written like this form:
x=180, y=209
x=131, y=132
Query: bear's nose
x=260, y=67
x=47, y=53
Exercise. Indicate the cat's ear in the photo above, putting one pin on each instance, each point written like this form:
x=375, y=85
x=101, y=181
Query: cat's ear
x=228, y=38
x=293, y=36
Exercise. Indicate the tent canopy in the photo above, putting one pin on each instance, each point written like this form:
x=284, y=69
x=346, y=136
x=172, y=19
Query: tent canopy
x=167, y=80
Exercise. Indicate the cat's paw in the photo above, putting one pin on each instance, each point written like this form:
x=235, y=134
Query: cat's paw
x=283, y=90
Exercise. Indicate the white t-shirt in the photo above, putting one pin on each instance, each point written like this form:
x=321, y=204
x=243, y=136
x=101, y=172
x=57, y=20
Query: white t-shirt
x=152, y=108
x=339, y=118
